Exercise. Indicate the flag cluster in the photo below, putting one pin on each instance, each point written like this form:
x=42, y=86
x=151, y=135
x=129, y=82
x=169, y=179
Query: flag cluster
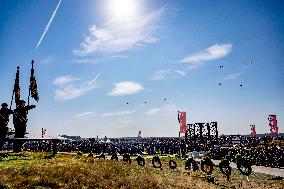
x=33, y=92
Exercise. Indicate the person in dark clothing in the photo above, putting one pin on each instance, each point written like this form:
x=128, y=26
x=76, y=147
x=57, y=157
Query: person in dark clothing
x=20, y=122
x=4, y=120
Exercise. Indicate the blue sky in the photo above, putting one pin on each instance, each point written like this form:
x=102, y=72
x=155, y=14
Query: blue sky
x=95, y=56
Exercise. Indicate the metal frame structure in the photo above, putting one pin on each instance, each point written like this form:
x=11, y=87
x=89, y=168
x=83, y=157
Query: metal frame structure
x=202, y=133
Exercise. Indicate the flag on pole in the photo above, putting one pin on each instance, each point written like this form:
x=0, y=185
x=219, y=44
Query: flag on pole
x=16, y=89
x=253, y=131
x=33, y=85
x=182, y=121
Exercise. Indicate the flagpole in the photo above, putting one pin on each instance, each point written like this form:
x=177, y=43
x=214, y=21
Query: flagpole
x=12, y=99
x=179, y=136
x=179, y=144
x=29, y=97
x=13, y=91
x=29, y=86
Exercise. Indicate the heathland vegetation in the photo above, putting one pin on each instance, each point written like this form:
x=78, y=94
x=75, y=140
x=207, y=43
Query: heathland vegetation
x=38, y=170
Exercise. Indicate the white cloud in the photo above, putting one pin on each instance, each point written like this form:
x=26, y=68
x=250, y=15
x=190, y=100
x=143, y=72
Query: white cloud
x=211, y=53
x=165, y=74
x=118, y=113
x=98, y=60
x=119, y=35
x=47, y=60
x=165, y=109
x=83, y=115
x=170, y=108
x=233, y=76
x=119, y=56
x=122, y=123
x=63, y=80
x=161, y=74
x=69, y=90
x=79, y=117
x=193, y=65
x=126, y=88
x=86, y=61
x=182, y=73
x=153, y=111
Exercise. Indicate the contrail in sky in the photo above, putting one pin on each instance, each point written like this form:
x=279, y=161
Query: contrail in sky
x=49, y=22
x=94, y=80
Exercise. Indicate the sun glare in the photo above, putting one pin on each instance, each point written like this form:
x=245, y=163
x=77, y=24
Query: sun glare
x=123, y=9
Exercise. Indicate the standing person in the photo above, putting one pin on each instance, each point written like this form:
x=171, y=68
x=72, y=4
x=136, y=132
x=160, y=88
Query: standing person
x=4, y=120
x=20, y=122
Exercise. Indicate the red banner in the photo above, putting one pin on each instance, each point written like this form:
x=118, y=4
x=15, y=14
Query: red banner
x=182, y=121
x=273, y=124
x=253, y=131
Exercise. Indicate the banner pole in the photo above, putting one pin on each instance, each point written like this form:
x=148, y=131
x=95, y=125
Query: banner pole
x=12, y=100
x=179, y=136
x=14, y=92
x=29, y=97
x=179, y=144
x=30, y=84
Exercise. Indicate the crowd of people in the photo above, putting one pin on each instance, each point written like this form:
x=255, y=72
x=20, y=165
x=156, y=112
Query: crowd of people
x=261, y=151
x=271, y=156
x=150, y=146
x=264, y=151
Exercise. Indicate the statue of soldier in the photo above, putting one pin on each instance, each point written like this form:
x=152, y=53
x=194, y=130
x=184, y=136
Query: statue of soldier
x=4, y=120
x=20, y=122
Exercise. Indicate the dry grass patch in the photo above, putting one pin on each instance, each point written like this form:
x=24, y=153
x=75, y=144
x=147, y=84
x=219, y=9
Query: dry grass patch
x=72, y=171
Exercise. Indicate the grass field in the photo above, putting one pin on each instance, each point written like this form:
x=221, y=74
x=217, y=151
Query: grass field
x=30, y=170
